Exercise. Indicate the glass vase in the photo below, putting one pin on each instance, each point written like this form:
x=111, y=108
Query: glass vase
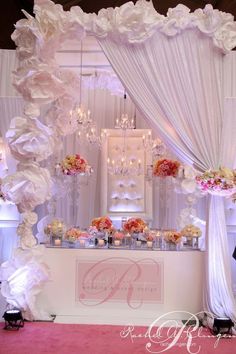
x=55, y=241
x=171, y=246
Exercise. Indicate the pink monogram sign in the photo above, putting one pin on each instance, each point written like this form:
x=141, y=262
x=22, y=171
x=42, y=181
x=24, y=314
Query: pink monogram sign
x=119, y=279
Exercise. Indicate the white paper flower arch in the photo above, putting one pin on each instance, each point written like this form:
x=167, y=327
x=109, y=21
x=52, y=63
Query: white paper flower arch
x=41, y=81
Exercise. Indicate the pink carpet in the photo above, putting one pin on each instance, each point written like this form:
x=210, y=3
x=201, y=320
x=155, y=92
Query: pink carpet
x=54, y=338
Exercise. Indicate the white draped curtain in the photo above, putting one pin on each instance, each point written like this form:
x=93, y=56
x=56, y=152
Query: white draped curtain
x=177, y=83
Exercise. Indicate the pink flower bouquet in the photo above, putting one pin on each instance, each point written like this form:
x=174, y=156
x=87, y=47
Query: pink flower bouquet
x=220, y=182
x=172, y=237
x=103, y=223
x=74, y=165
x=165, y=168
x=134, y=225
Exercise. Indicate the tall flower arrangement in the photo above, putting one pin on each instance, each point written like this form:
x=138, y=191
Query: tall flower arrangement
x=165, y=168
x=220, y=182
x=75, y=164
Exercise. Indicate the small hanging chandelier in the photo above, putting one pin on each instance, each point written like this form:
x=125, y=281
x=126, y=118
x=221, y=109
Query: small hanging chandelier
x=86, y=127
x=125, y=165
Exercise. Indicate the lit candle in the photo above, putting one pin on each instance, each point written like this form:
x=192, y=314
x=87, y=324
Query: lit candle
x=108, y=160
x=149, y=244
x=117, y=242
x=139, y=163
x=82, y=243
x=101, y=242
x=57, y=242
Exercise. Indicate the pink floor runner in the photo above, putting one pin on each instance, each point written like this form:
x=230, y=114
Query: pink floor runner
x=54, y=338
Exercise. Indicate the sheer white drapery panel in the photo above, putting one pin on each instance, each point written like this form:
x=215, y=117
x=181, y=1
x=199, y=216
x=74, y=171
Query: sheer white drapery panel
x=8, y=63
x=177, y=83
x=229, y=75
x=174, y=94
x=218, y=292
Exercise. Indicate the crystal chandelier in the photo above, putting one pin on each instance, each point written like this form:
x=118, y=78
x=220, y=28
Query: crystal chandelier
x=124, y=122
x=156, y=146
x=124, y=165
x=86, y=127
x=157, y=149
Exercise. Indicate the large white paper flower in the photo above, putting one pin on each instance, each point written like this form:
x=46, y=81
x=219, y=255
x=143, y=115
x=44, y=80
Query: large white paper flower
x=28, y=187
x=71, y=81
x=23, y=278
x=30, y=217
x=135, y=22
x=225, y=36
x=59, y=116
x=30, y=139
x=51, y=18
x=39, y=84
x=178, y=19
x=27, y=37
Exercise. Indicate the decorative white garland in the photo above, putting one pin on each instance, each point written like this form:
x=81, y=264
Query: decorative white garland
x=40, y=81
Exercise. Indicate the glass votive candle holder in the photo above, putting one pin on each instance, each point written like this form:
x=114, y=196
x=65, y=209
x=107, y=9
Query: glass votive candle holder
x=149, y=244
x=57, y=242
x=117, y=243
x=82, y=243
x=101, y=243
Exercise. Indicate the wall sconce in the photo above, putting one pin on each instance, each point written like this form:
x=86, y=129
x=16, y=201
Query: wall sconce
x=13, y=319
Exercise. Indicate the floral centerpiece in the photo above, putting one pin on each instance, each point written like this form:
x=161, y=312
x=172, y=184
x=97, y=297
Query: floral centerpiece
x=55, y=229
x=74, y=165
x=191, y=231
x=72, y=234
x=149, y=237
x=103, y=223
x=134, y=225
x=172, y=237
x=118, y=235
x=220, y=182
x=165, y=168
x=118, y=238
